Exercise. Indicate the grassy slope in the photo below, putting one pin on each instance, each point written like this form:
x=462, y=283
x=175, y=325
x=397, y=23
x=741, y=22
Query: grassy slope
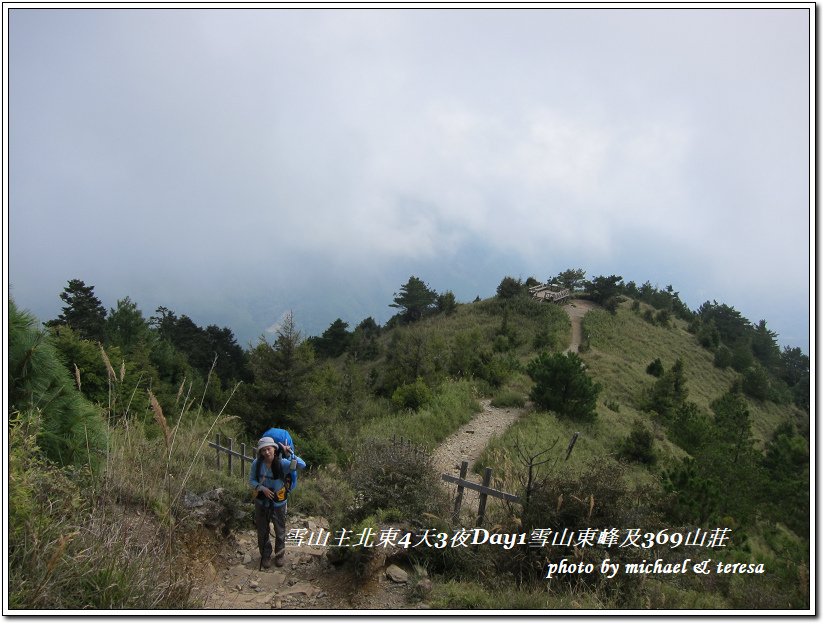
x=621, y=347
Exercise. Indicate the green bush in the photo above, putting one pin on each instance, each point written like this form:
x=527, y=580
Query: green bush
x=502, y=344
x=324, y=492
x=315, y=452
x=542, y=339
x=662, y=317
x=386, y=475
x=412, y=396
x=600, y=496
x=638, y=445
x=655, y=368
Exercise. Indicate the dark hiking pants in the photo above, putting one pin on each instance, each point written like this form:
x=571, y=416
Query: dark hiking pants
x=263, y=515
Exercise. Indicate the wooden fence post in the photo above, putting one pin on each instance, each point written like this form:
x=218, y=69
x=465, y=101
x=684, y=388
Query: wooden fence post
x=456, y=514
x=229, y=469
x=217, y=449
x=482, y=504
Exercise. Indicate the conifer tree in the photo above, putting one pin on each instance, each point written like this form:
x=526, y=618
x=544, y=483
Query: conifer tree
x=83, y=311
x=71, y=429
x=415, y=299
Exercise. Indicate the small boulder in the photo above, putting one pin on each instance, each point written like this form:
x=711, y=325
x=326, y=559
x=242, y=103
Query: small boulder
x=191, y=500
x=396, y=574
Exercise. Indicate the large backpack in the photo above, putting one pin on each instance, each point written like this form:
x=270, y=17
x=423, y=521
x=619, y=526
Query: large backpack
x=281, y=436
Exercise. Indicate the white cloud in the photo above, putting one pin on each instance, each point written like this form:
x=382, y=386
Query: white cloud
x=280, y=145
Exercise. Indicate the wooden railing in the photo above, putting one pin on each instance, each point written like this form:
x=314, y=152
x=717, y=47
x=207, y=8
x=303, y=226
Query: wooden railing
x=483, y=488
x=231, y=453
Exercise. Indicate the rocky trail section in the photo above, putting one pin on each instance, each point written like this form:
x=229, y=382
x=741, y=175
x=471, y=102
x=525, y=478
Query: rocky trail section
x=309, y=581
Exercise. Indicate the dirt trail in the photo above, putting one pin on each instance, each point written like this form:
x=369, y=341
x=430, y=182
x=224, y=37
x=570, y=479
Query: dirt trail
x=468, y=443
x=576, y=309
x=232, y=580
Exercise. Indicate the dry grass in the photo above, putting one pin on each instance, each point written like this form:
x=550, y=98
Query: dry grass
x=109, y=369
x=160, y=419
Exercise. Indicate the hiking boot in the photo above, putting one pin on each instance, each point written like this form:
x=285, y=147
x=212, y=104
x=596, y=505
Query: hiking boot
x=279, y=562
x=266, y=562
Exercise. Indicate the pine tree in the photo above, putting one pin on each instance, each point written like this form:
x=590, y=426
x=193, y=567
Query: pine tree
x=83, y=311
x=562, y=385
x=125, y=326
x=415, y=299
x=71, y=429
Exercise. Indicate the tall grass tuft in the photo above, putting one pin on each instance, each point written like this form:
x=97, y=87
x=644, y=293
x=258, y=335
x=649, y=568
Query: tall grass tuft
x=160, y=419
x=107, y=362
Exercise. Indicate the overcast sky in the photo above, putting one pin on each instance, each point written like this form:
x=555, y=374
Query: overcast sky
x=232, y=165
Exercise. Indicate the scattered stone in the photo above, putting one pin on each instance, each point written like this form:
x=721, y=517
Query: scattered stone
x=253, y=584
x=215, y=494
x=396, y=574
x=469, y=431
x=191, y=500
x=299, y=589
x=278, y=604
x=247, y=558
x=321, y=594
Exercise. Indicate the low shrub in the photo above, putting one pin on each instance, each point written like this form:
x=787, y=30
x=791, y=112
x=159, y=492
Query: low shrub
x=316, y=452
x=387, y=475
x=655, y=368
x=412, y=396
x=638, y=445
x=323, y=492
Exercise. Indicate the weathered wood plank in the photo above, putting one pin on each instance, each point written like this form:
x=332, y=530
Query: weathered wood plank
x=480, y=488
x=222, y=449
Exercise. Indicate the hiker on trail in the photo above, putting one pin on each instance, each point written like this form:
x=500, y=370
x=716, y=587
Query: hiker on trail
x=271, y=479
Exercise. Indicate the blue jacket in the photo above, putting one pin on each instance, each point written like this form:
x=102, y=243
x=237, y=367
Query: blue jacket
x=283, y=437
x=272, y=481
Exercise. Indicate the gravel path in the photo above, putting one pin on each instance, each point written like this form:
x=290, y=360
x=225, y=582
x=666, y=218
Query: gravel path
x=468, y=443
